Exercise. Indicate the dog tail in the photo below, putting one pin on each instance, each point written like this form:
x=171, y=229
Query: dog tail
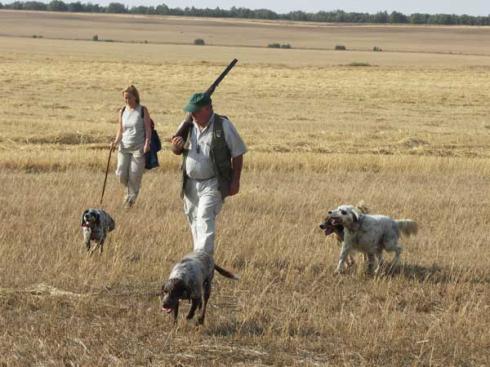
x=407, y=226
x=225, y=273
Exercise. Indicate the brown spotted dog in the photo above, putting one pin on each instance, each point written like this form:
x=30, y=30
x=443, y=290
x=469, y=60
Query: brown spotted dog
x=191, y=279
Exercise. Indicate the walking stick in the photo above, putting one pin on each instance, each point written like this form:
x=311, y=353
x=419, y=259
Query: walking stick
x=106, y=172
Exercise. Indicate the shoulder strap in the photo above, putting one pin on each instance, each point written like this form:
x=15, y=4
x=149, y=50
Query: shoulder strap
x=142, y=111
x=143, y=117
x=121, y=114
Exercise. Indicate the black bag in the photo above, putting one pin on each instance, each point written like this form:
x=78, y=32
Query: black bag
x=151, y=157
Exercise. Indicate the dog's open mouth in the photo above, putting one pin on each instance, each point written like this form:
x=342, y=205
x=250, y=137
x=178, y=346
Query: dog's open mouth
x=166, y=309
x=328, y=231
x=330, y=224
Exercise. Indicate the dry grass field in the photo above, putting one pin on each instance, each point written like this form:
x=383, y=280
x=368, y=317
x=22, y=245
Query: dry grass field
x=249, y=33
x=409, y=135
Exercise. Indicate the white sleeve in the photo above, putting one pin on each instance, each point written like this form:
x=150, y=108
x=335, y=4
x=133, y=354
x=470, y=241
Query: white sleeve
x=233, y=140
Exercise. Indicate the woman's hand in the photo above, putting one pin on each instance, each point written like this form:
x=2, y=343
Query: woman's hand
x=146, y=148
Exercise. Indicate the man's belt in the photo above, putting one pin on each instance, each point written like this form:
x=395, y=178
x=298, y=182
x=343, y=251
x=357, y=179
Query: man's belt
x=201, y=179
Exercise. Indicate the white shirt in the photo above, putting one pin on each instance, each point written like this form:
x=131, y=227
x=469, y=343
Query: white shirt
x=198, y=164
x=133, y=135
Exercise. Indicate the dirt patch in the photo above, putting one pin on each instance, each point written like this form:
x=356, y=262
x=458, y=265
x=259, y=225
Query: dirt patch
x=412, y=142
x=67, y=139
x=42, y=289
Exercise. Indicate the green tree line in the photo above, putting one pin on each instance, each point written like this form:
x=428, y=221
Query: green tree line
x=337, y=16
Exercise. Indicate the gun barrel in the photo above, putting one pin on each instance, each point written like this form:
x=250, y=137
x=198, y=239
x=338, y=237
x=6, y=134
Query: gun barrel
x=187, y=124
x=213, y=86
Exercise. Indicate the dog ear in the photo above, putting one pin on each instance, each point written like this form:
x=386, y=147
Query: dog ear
x=97, y=219
x=355, y=216
x=362, y=207
x=185, y=290
x=186, y=293
x=83, y=216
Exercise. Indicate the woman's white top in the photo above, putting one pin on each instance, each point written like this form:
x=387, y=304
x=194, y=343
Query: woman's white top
x=133, y=136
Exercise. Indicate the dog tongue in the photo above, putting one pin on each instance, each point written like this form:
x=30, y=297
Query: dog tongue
x=167, y=310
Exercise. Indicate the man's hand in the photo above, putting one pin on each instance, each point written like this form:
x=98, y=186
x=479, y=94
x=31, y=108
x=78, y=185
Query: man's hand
x=234, y=187
x=177, y=144
x=113, y=146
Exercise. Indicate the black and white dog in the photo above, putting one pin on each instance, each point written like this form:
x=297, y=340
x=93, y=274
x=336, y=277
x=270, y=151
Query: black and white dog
x=330, y=225
x=96, y=223
x=370, y=234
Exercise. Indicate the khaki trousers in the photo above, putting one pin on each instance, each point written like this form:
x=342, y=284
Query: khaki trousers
x=202, y=203
x=130, y=169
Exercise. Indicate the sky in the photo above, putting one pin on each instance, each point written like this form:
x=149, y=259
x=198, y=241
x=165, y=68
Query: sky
x=471, y=7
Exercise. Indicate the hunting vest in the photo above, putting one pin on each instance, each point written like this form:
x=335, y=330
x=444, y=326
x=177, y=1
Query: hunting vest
x=220, y=156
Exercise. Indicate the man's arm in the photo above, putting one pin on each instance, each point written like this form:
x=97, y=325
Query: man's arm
x=237, y=164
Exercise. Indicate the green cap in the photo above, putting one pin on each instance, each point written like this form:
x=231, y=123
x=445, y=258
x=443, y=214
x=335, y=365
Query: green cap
x=197, y=101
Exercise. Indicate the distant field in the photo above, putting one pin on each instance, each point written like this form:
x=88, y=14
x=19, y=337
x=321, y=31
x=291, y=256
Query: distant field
x=407, y=132
x=256, y=33
x=66, y=91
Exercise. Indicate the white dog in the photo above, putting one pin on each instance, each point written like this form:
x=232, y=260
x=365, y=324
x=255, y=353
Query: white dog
x=370, y=234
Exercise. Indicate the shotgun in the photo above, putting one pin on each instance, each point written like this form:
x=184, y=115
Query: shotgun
x=183, y=132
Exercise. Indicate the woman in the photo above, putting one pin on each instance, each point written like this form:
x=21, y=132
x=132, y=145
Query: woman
x=133, y=137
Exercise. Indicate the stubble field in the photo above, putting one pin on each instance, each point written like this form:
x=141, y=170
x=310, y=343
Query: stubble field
x=409, y=134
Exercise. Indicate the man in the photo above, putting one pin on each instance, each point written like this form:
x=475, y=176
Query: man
x=211, y=169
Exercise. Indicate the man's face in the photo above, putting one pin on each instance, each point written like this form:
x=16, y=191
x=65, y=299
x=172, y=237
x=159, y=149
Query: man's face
x=202, y=116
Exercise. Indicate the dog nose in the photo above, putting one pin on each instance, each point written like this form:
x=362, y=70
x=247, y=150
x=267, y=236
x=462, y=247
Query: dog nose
x=329, y=212
x=322, y=226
